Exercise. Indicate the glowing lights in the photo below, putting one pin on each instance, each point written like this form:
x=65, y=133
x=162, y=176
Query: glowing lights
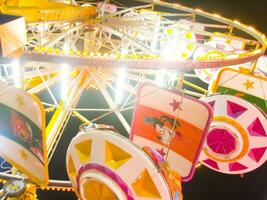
x=64, y=81
x=65, y=48
x=198, y=165
x=65, y=68
x=264, y=39
x=165, y=53
x=236, y=22
x=199, y=10
x=251, y=28
x=166, y=78
x=177, y=43
x=257, y=51
x=16, y=72
x=120, y=85
x=120, y=80
x=160, y=77
x=232, y=56
x=216, y=15
x=172, y=78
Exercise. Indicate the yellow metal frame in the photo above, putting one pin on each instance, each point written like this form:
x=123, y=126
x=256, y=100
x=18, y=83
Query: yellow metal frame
x=45, y=11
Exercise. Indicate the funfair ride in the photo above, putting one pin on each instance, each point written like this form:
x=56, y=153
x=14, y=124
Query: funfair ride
x=92, y=60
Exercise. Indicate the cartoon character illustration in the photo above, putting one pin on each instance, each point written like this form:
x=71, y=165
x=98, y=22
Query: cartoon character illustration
x=20, y=128
x=164, y=126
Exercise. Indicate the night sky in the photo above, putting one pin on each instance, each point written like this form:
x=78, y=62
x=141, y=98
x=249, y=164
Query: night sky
x=206, y=184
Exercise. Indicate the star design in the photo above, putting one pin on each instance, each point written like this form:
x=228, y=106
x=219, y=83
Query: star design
x=20, y=100
x=175, y=105
x=249, y=84
x=23, y=154
x=161, y=152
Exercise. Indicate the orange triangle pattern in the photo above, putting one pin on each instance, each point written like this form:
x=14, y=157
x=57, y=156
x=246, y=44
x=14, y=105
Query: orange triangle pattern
x=96, y=190
x=83, y=150
x=115, y=157
x=72, y=170
x=145, y=187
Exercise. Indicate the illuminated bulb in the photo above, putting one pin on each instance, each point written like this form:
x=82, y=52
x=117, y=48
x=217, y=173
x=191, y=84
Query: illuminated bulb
x=236, y=22
x=64, y=81
x=198, y=165
x=198, y=10
x=251, y=28
x=36, y=48
x=216, y=15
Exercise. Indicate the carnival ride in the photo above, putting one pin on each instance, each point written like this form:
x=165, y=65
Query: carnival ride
x=159, y=59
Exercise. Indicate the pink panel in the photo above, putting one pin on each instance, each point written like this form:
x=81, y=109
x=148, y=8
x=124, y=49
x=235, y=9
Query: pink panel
x=257, y=153
x=221, y=141
x=211, y=103
x=211, y=163
x=236, y=166
x=256, y=128
x=235, y=110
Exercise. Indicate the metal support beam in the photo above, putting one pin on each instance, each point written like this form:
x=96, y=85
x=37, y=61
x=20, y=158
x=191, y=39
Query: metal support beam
x=111, y=103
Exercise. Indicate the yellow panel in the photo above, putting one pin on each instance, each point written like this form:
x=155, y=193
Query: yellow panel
x=115, y=156
x=32, y=82
x=72, y=170
x=83, y=150
x=43, y=10
x=53, y=120
x=145, y=187
x=95, y=190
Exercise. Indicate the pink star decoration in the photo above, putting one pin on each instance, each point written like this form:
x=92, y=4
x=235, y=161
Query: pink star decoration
x=175, y=105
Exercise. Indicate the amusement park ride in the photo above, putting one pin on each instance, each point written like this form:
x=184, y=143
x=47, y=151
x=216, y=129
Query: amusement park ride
x=186, y=86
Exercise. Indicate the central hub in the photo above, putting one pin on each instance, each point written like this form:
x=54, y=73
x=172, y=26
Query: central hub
x=221, y=141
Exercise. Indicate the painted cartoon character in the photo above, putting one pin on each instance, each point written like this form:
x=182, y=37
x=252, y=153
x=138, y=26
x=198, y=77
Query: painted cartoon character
x=20, y=128
x=164, y=126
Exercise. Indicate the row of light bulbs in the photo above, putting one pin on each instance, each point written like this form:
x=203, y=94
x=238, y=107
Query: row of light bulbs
x=137, y=56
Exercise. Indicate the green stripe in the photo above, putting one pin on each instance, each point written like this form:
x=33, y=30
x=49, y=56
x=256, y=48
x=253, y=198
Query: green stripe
x=250, y=98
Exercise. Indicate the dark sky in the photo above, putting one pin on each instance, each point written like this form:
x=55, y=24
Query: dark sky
x=206, y=184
